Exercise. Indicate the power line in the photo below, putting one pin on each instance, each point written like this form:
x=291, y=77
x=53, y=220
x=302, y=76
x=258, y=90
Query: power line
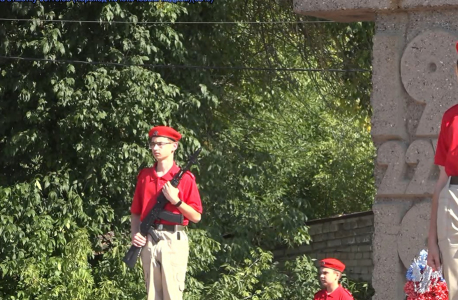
x=166, y=23
x=180, y=66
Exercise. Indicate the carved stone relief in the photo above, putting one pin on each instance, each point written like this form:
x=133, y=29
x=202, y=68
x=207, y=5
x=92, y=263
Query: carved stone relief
x=428, y=75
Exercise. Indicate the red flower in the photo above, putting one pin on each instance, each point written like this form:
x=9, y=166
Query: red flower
x=437, y=291
x=409, y=289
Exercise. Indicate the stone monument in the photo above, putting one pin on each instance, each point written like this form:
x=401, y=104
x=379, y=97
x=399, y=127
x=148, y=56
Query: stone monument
x=414, y=83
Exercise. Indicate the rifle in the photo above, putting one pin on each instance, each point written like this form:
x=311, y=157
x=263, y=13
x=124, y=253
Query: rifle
x=157, y=212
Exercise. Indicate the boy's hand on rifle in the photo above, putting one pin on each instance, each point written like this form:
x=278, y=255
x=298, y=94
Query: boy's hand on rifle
x=138, y=240
x=171, y=193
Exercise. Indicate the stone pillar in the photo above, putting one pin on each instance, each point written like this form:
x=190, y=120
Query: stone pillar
x=413, y=85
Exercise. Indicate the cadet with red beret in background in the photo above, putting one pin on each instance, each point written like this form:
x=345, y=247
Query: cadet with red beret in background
x=330, y=272
x=164, y=263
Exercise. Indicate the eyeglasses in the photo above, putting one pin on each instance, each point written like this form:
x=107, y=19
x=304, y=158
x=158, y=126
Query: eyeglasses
x=160, y=144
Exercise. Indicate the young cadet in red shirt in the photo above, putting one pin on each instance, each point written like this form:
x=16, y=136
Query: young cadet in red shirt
x=330, y=272
x=164, y=263
x=443, y=230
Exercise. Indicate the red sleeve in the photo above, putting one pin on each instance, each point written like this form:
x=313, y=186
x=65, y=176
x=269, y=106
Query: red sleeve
x=191, y=194
x=442, y=144
x=137, y=202
x=348, y=295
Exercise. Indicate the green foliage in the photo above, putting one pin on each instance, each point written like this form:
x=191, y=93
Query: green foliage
x=360, y=290
x=276, y=151
x=302, y=280
x=73, y=140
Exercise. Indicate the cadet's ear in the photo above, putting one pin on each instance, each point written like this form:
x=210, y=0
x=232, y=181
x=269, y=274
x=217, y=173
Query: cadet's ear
x=339, y=275
x=174, y=146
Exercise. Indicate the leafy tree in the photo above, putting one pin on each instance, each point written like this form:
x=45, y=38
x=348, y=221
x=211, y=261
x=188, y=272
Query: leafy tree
x=73, y=137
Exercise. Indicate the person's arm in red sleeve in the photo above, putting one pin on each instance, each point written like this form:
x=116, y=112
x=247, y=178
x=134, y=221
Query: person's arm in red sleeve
x=442, y=144
x=135, y=213
x=347, y=295
x=191, y=206
x=433, y=259
x=192, y=196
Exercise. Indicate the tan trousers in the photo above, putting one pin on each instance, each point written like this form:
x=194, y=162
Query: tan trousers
x=447, y=235
x=164, y=265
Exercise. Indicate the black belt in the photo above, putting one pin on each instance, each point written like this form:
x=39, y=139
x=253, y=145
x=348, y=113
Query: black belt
x=166, y=227
x=453, y=179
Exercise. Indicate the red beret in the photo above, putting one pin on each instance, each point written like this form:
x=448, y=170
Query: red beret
x=164, y=131
x=332, y=263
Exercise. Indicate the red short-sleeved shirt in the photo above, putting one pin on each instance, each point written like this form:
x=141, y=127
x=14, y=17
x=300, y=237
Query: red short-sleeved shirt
x=149, y=186
x=447, y=144
x=339, y=294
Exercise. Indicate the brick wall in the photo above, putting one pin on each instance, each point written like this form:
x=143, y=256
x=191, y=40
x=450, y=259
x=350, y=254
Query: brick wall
x=348, y=238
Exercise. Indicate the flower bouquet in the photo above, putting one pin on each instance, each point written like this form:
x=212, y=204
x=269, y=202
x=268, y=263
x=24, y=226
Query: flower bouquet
x=423, y=283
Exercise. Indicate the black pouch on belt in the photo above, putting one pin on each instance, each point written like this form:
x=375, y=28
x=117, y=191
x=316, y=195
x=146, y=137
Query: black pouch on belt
x=453, y=179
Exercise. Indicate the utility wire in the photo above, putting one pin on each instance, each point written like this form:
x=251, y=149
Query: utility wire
x=179, y=66
x=166, y=23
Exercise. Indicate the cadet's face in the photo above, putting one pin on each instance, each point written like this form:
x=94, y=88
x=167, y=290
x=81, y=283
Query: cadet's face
x=328, y=276
x=162, y=147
